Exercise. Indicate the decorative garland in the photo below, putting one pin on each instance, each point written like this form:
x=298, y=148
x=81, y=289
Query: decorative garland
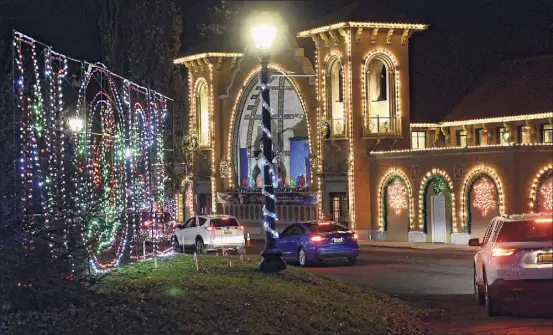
x=544, y=178
x=470, y=185
x=384, y=201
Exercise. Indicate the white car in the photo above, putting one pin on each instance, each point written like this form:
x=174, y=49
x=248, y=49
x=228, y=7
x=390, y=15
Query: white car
x=209, y=233
x=515, y=260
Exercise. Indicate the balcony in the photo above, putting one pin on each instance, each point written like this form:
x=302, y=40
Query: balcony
x=381, y=127
x=334, y=129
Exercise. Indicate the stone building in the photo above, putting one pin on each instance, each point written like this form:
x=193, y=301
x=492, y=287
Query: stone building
x=348, y=148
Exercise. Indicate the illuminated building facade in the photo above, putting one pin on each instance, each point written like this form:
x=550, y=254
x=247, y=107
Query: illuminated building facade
x=347, y=147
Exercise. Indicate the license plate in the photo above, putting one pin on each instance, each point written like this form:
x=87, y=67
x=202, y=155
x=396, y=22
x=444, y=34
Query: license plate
x=228, y=232
x=338, y=240
x=544, y=258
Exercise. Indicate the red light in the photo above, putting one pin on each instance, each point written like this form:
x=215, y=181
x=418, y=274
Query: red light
x=241, y=227
x=316, y=238
x=544, y=220
x=324, y=223
x=210, y=228
x=355, y=236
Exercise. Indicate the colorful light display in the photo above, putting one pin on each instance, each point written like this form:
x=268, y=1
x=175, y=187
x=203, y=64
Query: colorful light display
x=107, y=176
x=546, y=195
x=484, y=196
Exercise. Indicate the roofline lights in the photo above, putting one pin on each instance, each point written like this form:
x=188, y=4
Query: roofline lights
x=501, y=119
x=190, y=58
x=384, y=25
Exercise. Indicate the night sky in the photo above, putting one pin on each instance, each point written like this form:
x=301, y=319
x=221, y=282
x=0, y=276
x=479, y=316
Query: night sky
x=466, y=38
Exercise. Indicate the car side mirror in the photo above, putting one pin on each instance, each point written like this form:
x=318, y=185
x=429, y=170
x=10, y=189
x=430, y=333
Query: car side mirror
x=474, y=242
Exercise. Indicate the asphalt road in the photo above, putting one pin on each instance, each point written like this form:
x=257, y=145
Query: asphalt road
x=437, y=278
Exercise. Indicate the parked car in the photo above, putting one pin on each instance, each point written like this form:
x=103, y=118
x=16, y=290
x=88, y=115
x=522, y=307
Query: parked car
x=515, y=260
x=209, y=233
x=313, y=242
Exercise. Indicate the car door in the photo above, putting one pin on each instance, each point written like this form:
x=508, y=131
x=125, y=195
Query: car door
x=194, y=230
x=180, y=231
x=283, y=242
x=480, y=255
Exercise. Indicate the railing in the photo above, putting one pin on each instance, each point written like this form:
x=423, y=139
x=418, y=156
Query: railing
x=380, y=126
x=334, y=128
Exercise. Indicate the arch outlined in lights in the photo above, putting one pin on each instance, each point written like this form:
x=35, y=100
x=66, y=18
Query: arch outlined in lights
x=382, y=188
x=545, y=172
x=429, y=175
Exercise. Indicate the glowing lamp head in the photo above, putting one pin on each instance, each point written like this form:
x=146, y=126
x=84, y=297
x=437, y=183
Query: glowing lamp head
x=263, y=35
x=76, y=124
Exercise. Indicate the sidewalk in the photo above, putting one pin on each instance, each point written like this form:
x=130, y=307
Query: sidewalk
x=414, y=245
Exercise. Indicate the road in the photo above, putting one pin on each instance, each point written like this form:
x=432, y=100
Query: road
x=436, y=278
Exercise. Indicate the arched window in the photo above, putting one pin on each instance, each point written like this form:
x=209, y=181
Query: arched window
x=380, y=115
x=202, y=114
x=335, y=97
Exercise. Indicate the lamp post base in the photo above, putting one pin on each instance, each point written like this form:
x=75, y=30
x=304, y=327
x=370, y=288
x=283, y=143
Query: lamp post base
x=271, y=262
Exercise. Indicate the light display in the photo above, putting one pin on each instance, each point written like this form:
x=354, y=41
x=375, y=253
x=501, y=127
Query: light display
x=502, y=119
x=543, y=174
x=484, y=196
x=430, y=177
x=546, y=195
x=473, y=176
x=107, y=173
x=397, y=196
x=389, y=177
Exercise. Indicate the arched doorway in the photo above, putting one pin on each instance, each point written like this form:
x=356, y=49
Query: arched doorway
x=482, y=200
x=290, y=135
x=436, y=203
x=541, y=194
x=396, y=206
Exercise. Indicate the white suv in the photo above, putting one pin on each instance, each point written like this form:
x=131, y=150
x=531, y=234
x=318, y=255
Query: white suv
x=209, y=233
x=515, y=260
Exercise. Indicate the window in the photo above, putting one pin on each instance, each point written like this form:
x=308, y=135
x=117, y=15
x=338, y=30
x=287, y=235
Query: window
x=287, y=231
x=418, y=140
x=462, y=138
x=379, y=116
x=503, y=136
x=224, y=222
x=547, y=133
x=326, y=227
x=482, y=136
x=339, y=207
x=524, y=135
x=202, y=114
x=525, y=231
x=335, y=97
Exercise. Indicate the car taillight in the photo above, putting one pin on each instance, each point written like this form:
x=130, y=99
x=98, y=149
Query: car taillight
x=241, y=227
x=355, y=236
x=316, y=238
x=210, y=228
x=498, y=252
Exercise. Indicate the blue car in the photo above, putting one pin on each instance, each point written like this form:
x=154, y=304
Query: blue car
x=315, y=242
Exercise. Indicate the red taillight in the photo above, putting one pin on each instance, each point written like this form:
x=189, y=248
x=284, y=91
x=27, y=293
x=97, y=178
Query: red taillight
x=210, y=228
x=355, y=236
x=498, y=252
x=241, y=227
x=316, y=238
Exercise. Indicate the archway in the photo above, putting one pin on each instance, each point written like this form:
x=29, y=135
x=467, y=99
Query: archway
x=436, y=203
x=395, y=206
x=290, y=134
x=541, y=191
x=482, y=199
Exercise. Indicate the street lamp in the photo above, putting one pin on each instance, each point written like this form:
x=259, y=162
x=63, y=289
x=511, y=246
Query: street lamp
x=263, y=35
x=76, y=124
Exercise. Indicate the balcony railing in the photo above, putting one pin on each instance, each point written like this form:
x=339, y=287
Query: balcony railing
x=380, y=126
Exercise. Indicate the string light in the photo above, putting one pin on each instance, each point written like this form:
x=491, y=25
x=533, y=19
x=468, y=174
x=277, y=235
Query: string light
x=430, y=175
x=546, y=195
x=543, y=174
x=484, y=196
x=390, y=175
x=462, y=148
x=397, y=196
x=473, y=175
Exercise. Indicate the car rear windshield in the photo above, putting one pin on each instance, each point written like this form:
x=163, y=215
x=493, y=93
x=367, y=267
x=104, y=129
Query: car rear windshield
x=326, y=228
x=224, y=222
x=525, y=231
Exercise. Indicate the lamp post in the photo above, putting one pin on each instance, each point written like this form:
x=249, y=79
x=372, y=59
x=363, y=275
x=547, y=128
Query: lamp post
x=263, y=35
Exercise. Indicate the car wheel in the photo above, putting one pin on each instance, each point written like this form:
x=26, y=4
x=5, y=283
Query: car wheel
x=491, y=309
x=351, y=261
x=175, y=243
x=200, y=247
x=478, y=294
x=302, y=257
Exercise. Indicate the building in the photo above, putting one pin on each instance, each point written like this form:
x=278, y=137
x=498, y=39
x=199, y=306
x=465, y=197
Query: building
x=348, y=147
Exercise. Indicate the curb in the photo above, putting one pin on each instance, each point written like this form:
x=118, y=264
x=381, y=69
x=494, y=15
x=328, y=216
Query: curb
x=378, y=245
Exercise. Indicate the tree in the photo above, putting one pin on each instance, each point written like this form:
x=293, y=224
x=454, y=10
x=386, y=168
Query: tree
x=221, y=18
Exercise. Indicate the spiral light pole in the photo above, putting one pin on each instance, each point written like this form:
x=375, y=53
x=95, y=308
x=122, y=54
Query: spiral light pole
x=271, y=261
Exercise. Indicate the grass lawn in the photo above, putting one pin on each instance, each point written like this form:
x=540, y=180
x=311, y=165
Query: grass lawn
x=177, y=299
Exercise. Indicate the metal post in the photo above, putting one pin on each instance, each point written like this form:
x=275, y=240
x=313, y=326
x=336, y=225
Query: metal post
x=271, y=261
